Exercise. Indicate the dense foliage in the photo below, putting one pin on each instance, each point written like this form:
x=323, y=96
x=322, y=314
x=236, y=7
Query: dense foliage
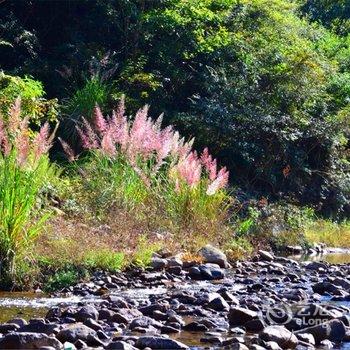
x=265, y=84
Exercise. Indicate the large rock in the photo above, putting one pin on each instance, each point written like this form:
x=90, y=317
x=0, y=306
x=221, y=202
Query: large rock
x=266, y=256
x=39, y=327
x=213, y=255
x=333, y=330
x=218, y=303
x=120, y=345
x=159, y=343
x=144, y=322
x=158, y=263
x=76, y=332
x=280, y=335
x=207, y=272
x=239, y=316
x=29, y=341
x=86, y=312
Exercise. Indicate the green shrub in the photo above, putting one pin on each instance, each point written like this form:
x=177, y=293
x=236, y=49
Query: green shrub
x=144, y=252
x=105, y=260
x=62, y=279
x=31, y=93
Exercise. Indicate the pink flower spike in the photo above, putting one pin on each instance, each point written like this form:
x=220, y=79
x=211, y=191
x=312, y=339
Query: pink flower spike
x=67, y=150
x=99, y=120
x=15, y=116
x=107, y=145
x=219, y=183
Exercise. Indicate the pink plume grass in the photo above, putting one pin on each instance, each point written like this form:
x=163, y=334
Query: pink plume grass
x=146, y=145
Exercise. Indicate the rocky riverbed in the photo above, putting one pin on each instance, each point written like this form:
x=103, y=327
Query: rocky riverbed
x=267, y=303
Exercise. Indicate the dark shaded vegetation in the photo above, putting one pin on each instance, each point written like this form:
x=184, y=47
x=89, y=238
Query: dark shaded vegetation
x=265, y=84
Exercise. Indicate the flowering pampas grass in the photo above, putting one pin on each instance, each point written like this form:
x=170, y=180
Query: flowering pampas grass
x=24, y=168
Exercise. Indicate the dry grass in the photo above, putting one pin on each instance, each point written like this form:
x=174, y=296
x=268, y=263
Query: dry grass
x=135, y=233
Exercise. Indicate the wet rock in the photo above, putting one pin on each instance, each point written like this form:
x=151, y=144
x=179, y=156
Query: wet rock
x=333, y=330
x=144, y=322
x=19, y=321
x=294, y=249
x=238, y=346
x=175, y=262
x=206, y=272
x=213, y=255
x=79, y=344
x=158, y=263
x=256, y=347
x=219, y=304
x=75, y=332
x=239, y=316
x=125, y=315
x=212, y=340
x=8, y=327
x=195, y=327
x=265, y=256
x=306, y=338
x=29, y=341
x=326, y=344
x=54, y=312
x=304, y=346
x=342, y=282
x=93, y=324
x=272, y=345
x=87, y=312
x=39, y=327
x=105, y=314
x=229, y=297
x=120, y=345
x=315, y=265
x=326, y=287
x=254, y=326
x=159, y=343
x=169, y=329
x=281, y=335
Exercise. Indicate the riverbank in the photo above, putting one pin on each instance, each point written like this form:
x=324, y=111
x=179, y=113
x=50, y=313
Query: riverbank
x=268, y=302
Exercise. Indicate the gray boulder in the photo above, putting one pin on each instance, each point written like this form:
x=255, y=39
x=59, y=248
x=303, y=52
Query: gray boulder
x=218, y=303
x=120, y=345
x=76, y=332
x=159, y=343
x=86, y=312
x=29, y=341
x=213, y=255
x=280, y=335
x=266, y=256
x=39, y=327
x=239, y=316
x=333, y=330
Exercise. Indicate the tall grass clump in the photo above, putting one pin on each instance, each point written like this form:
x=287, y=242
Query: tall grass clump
x=137, y=164
x=24, y=168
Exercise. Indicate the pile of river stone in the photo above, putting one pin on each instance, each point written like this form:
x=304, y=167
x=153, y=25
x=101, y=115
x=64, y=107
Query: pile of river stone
x=267, y=303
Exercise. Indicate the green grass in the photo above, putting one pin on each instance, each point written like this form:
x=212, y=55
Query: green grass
x=104, y=260
x=21, y=218
x=328, y=232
